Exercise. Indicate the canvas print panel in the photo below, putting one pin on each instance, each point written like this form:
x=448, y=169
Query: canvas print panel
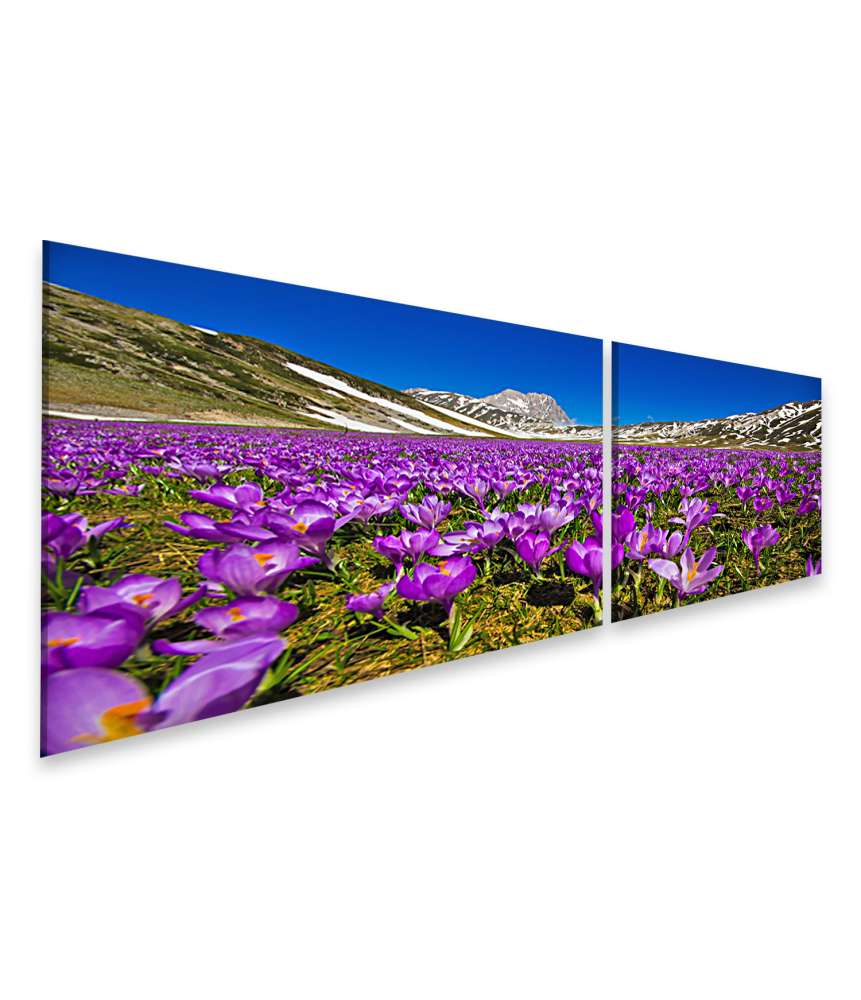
x=255, y=491
x=716, y=479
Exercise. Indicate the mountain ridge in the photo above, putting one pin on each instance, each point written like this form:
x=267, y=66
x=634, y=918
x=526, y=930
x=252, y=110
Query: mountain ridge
x=792, y=424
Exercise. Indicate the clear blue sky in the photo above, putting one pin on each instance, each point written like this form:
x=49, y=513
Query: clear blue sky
x=662, y=385
x=400, y=346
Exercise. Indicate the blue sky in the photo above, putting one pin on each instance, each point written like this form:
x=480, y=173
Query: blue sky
x=400, y=346
x=662, y=385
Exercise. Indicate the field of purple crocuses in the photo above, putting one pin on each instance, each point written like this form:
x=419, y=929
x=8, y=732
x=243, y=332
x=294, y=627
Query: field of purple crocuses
x=190, y=571
x=694, y=523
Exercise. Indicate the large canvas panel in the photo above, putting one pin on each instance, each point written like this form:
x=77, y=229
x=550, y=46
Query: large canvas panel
x=716, y=479
x=255, y=491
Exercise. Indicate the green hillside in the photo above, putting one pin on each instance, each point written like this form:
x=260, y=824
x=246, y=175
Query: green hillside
x=104, y=359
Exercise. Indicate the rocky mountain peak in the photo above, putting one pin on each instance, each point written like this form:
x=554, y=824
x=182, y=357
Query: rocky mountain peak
x=538, y=405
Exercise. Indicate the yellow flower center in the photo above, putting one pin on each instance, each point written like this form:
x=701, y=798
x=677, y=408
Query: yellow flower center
x=62, y=643
x=117, y=723
x=263, y=557
x=235, y=614
x=443, y=568
x=300, y=527
x=692, y=572
x=143, y=599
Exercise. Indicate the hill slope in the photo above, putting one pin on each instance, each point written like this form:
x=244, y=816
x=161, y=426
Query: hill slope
x=106, y=360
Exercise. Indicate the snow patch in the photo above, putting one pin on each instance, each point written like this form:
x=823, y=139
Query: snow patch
x=98, y=416
x=411, y=427
x=471, y=420
x=341, y=386
x=338, y=418
x=142, y=420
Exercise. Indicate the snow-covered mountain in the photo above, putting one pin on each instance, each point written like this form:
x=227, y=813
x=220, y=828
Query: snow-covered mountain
x=523, y=413
x=791, y=425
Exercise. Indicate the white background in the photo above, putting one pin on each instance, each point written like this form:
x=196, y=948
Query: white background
x=665, y=809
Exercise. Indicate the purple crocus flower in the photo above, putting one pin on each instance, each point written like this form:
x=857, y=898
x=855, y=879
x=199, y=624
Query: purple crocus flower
x=809, y=504
x=745, y=493
x=219, y=682
x=65, y=534
x=244, y=499
x=63, y=484
x=103, y=527
x=152, y=597
x=696, y=512
x=502, y=487
x=514, y=524
x=762, y=503
x=555, y=516
x=441, y=583
x=693, y=576
x=202, y=471
x=129, y=490
x=418, y=543
x=390, y=547
x=248, y=571
x=812, y=568
x=650, y=540
x=364, y=508
x=200, y=526
x=248, y=616
x=587, y=559
x=427, y=514
x=530, y=511
x=91, y=705
x=476, y=536
x=370, y=604
x=233, y=622
x=672, y=544
x=72, y=640
x=756, y=539
x=414, y=544
x=623, y=524
x=476, y=488
x=534, y=547
x=311, y=524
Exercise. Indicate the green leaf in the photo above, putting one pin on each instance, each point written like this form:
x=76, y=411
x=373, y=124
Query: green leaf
x=460, y=640
x=401, y=630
